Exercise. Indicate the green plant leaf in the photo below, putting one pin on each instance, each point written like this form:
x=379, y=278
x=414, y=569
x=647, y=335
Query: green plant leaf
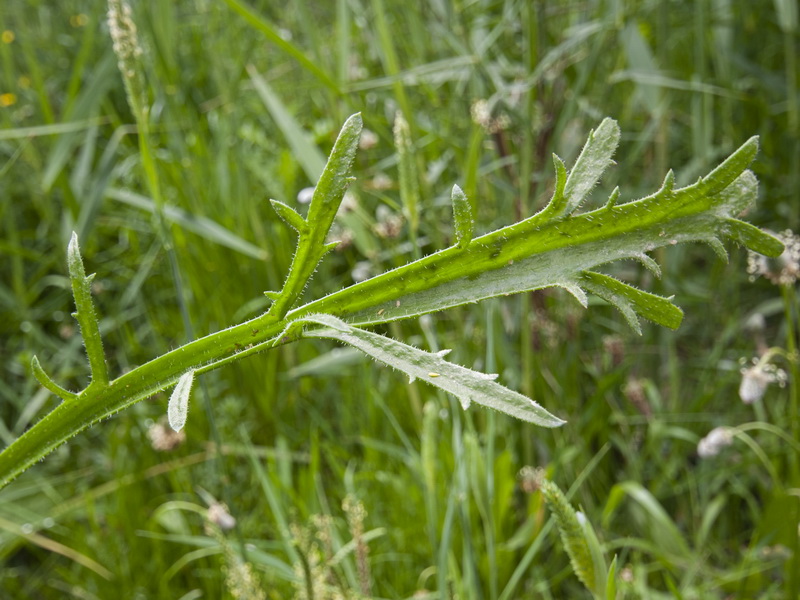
x=202, y=226
x=178, y=407
x=462, y=217
x=665, y=532
x=632, y=302
x=290, y=216
x=466, y=385
x=305, y=152
x=328, y=194
x=542, y=252
x=592, y=162
x=85, y=314
x=611, y=580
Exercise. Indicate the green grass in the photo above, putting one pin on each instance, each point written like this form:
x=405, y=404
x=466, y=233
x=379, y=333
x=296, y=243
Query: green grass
x=447, y=513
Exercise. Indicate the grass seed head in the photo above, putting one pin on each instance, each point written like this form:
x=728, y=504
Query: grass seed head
x=129, y=54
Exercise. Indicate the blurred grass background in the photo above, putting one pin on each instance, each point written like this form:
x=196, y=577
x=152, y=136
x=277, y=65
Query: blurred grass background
x=246, y=101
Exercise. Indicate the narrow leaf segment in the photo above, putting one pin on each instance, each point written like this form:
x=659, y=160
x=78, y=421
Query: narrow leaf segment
x=178, y=407
x=466, y=385
x=593, y=161
x=85, y=314
x=462, y=217
x=328, y=194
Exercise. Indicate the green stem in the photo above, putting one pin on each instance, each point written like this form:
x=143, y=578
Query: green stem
x=789, y=304
x=95, y=403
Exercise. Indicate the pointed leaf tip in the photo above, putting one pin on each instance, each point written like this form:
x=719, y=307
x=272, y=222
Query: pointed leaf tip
x=74, y=260
x=43, y=378
x=731, y=168
x=178, y=406
x=354, y=120
x=289, y=216
x=593, y=160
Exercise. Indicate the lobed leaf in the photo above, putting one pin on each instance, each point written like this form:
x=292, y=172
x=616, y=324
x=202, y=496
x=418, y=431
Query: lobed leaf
x=552, y=248
x=544, y=251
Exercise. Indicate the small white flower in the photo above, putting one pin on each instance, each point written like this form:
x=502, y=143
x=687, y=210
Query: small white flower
x=381, y=182
x=305, y=195
x=756, y=378
x=362, y=271
x=388, y=224
x=368, y=139
x=754, y=384
x=219, y=515
x=164, y=438
x=481, y=114
x=717, y=439
x=783, y=270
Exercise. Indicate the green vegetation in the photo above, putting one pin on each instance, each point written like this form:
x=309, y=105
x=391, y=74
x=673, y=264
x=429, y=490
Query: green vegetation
x=346, y=480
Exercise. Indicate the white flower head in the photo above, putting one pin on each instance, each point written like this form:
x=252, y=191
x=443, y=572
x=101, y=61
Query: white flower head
x=756, y=378
x=219, y=515
x=717, y=439
x=783, y=270
x=164, y=438
x=368, y=139
x=305, y=195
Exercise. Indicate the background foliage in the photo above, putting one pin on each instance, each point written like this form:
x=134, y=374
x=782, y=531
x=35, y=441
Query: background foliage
x=245, y=101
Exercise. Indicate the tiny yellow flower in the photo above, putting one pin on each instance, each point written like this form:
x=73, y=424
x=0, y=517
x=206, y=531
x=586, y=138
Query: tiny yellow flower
x=7, y=36
x=78, y=20
x=7, y=99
